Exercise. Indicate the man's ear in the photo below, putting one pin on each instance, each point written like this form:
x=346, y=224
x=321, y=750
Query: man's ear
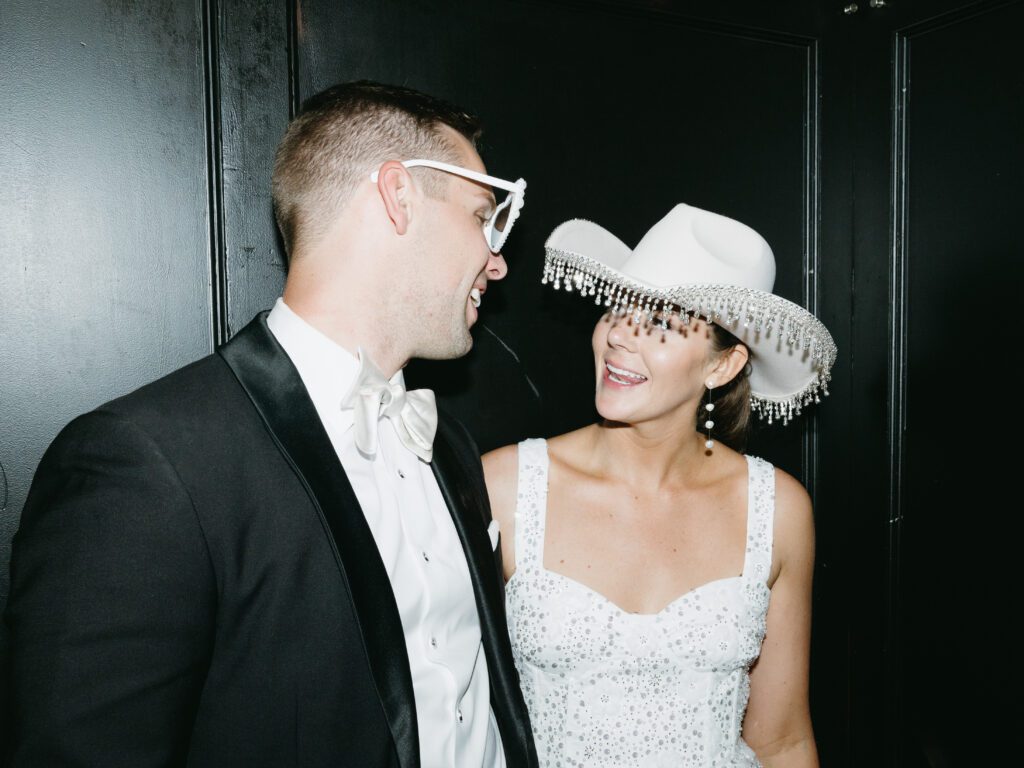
x=396, y=188
x=729, y=364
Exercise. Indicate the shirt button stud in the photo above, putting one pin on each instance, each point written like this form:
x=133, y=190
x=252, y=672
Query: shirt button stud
x=458, y=714
x=433, y=643
x=426, y=557
x=401, y=474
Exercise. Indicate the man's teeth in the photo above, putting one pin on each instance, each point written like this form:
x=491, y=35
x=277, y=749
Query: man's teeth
x=622, y=376
x=474, y=296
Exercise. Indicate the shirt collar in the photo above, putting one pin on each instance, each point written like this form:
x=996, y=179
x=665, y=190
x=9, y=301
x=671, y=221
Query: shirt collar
x=327, y=369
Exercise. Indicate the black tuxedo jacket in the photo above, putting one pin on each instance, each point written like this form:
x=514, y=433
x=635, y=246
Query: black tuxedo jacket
x=194, y=583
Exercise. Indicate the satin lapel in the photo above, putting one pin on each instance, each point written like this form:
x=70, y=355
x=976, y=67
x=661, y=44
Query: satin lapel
x=467, y=503
x=269, y=378
x=464, y=506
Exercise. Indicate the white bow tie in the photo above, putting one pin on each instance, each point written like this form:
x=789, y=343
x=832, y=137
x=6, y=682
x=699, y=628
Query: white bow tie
x=413, y=414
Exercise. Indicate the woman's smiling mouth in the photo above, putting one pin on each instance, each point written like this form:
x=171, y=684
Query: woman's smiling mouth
x=623, y=376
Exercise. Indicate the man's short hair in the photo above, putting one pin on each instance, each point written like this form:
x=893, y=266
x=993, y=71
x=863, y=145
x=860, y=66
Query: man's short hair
x=344, y=133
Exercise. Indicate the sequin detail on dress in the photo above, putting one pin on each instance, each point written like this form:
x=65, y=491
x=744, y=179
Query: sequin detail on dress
x=611, y=689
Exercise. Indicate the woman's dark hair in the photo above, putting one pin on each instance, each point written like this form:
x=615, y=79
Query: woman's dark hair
x=732, y=401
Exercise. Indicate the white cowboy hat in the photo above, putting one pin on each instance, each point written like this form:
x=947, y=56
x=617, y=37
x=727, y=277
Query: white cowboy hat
x=695, y=261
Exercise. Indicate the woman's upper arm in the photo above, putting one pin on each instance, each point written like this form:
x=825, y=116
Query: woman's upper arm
x=501, y=469
x=777, y=725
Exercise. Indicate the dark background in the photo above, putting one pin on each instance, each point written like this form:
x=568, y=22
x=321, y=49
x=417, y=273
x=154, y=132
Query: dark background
x=875, y=145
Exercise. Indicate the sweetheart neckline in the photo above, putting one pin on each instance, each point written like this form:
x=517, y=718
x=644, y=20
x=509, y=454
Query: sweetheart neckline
x=542, y=522
x=618, y=608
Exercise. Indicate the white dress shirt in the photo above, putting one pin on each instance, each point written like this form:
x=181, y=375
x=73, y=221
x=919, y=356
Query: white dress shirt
x=422, y=553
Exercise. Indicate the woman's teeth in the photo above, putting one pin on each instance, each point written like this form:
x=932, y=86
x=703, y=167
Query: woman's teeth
x=474, y=296
x=622, y=376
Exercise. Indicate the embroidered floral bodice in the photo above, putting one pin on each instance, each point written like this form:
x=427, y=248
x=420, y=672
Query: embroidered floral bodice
x=607, y=688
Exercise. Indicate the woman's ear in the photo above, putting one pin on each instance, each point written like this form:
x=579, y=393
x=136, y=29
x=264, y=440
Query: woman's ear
x=729, y=364
x=396, y=188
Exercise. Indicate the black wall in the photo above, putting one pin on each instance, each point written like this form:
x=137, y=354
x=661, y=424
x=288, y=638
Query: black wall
x=875, y=145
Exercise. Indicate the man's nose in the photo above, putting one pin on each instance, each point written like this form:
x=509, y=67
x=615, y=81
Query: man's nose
x=496, y=267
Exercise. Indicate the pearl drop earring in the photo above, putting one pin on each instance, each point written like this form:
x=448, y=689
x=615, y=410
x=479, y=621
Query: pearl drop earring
x=709, y=407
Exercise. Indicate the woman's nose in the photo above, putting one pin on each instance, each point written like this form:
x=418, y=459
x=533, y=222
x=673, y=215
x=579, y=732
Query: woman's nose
x=622, y=334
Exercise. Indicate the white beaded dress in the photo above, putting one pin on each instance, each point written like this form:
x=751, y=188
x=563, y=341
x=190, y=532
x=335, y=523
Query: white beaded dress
x=610, y=689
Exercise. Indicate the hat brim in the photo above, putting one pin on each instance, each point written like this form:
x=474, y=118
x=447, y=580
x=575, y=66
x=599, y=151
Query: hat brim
x=792, y=352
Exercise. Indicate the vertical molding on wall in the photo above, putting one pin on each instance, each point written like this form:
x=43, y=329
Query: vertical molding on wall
x=4, y=495
x=215, y=172
x=294, y=10
x=812, y=250
x=253, y=100
x=897, y=359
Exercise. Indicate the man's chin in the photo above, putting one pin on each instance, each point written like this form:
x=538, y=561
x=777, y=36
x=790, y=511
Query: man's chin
x=459, y=346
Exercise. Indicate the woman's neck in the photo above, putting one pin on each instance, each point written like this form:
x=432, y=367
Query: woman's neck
x=648, y=456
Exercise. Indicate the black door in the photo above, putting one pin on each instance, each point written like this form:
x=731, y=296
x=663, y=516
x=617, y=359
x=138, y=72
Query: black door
x=940, y=96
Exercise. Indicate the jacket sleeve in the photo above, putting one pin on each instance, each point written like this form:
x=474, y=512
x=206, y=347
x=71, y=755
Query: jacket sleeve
x=112, y=605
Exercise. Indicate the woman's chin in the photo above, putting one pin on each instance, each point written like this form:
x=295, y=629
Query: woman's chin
x=614, y=412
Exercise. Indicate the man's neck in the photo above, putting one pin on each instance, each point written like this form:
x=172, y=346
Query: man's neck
x=351, y=331
x=342, y=284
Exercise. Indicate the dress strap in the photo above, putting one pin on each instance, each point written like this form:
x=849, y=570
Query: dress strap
x=757, y=563
x=531, y=502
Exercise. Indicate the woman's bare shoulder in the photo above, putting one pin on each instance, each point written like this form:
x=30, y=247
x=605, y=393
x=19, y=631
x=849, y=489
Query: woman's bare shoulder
x=791, y=498
x=567, y=448
x=501, y=461
x=794, y=517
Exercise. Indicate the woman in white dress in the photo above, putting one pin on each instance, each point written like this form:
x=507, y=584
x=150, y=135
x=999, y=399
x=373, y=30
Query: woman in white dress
x=659, y=580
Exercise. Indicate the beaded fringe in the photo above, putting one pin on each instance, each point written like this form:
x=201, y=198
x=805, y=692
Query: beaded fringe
x=725, y=304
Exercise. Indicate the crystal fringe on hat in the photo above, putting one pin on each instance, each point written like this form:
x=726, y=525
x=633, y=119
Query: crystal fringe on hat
x=771, y=326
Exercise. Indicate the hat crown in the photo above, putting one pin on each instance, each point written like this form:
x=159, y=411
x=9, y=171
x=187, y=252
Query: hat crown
x=691, y=246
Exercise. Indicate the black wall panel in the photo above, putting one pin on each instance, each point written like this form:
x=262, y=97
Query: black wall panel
x=105, y=256
x=960, y=255
x=253, y=47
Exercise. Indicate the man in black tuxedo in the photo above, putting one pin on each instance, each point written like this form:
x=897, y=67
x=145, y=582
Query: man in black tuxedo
x=268, y=557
